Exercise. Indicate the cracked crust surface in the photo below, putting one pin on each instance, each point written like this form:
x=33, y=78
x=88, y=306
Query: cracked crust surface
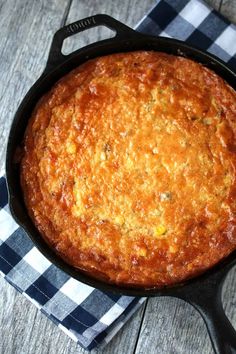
x=129, y=168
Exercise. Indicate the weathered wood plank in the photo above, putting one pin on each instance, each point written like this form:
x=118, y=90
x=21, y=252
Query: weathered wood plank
x=24, y=329
x=125, y=340
x=214, y=3
x=26, y=33
x=229, y=296
x=172, y=326
x=228, y=9
x=128, y=12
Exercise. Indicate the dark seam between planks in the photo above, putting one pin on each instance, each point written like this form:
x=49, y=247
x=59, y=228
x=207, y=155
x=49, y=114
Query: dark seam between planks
x=140, y=326
x=66, y=13
x=221, y=3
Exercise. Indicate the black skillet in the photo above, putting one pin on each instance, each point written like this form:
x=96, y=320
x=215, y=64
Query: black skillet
x=203, y=292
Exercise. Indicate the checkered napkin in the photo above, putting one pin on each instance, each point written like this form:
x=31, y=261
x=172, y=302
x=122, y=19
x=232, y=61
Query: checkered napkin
x=194, y=22
x=89, y=316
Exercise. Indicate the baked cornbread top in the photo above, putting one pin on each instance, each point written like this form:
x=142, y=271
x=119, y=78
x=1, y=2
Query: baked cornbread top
x=129, y=168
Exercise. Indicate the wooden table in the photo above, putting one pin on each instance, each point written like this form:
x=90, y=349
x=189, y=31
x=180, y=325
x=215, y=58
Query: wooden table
x=162, y=325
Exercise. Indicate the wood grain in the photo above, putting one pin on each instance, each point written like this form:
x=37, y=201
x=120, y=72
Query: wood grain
x=129, y=12
x=228, y=9
x=24, y=329
x=26, y=32
x=172, y=326
x=169, y=325
x=125, y=341
x=214, y=3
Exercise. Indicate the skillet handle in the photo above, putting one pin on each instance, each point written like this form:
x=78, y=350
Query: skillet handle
x=221, y=332
x=206, y=297
x=55, y=55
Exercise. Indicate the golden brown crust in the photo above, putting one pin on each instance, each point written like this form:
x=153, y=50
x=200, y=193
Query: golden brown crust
x=129, y=168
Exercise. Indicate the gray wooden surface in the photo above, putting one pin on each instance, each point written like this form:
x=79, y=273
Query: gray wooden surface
x=162, y=325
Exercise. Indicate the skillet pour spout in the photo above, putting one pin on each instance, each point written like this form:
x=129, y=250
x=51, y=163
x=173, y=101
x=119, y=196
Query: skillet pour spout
x=203, y=292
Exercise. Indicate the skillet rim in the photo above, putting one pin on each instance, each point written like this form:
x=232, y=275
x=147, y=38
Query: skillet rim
x=51, y=74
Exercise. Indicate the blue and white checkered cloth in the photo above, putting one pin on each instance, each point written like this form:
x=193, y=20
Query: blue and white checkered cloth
x=89, y=316
x=194, y=22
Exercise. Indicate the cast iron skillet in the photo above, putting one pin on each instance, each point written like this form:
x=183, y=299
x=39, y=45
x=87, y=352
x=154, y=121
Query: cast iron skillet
x=203, y=292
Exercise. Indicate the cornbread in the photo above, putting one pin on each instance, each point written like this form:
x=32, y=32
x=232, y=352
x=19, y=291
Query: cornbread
x=128, y=169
